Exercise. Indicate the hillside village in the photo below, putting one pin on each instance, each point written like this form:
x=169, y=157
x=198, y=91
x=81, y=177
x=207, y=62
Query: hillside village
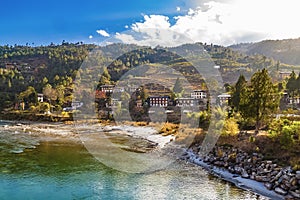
x=38, y=67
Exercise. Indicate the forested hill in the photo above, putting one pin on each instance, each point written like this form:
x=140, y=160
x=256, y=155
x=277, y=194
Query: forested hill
x=56, y=66
x=287, y=51
x=36, y=63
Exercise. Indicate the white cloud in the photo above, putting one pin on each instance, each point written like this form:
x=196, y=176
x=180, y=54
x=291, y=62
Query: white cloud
x=126, y=26
x=220, y=23
x=153, y=22
x=103, y=33
x=90, y=37
x=178, y=8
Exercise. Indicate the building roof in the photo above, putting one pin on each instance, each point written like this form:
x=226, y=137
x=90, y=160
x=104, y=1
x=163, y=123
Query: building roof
x=224, y=95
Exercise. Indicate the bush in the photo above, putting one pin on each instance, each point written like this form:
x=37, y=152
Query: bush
x=286, y=131
x=32, y=109
x=230, y=127
x=65, y=114
x=286, y=136
x=169, y=129
x=43, y=107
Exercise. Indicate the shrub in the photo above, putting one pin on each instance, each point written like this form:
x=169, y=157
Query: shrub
x=230, y=127
x=285, y=131
x=65, y=114
x=169, y=129
x=251, y=139
x=43, y=107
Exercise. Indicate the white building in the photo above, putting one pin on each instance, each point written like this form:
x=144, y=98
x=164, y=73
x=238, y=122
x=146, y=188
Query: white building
x=224, y=98
x=40, y=97
x=199, y=94
x=186, y=102
x=159, y=101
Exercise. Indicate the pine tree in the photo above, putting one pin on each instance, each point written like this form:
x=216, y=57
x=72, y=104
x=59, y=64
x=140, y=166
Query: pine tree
x=236, y=93
x=291, y=85
x=298, y=83
x=259, y=99
x=105, y=77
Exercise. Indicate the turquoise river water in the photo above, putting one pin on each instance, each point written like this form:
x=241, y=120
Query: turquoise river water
x=32, y=167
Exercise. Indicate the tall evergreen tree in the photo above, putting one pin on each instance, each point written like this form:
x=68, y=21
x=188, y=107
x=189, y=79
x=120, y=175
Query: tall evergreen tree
x=260, y=99
x=291, y=86
x=298, y=84
x=105, y=77
x=29, y=95
x=236, y=93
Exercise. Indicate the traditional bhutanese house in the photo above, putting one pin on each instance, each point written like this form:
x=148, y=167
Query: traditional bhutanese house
x=132, y=88
x=186, y=102
x=295, y=100
x=76, y=104
x=108, y=89
x=223, y=99
x=199, y=94
x=158, y=101
x=284, y=75
x=119, y=89
x=40, y=97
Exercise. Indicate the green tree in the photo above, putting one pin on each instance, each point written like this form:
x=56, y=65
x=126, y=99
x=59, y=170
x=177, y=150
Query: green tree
x=144, y=94
x=60, y=91
x=45, y=81
x=298, y=84
x=260, y=99
x=50, y=94
x=292, y=86
x=105, y=77
x=29, y=96
x=236, y=92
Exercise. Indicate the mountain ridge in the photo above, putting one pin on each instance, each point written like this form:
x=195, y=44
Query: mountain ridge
x=286, y=50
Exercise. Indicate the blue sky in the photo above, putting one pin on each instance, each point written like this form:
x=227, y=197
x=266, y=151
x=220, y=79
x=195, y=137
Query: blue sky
x=43, y=22
x=222, y=22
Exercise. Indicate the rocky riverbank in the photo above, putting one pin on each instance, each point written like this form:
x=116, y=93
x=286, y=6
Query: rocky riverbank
x=249, y=171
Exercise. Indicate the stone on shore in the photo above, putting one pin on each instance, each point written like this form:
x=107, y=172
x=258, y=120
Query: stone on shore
x=280, y=191
x=284, y=181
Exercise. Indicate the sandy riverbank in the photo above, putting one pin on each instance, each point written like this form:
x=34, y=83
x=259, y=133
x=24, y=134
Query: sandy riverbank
x=71, y=131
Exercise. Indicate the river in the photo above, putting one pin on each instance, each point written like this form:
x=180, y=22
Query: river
x=39, y=167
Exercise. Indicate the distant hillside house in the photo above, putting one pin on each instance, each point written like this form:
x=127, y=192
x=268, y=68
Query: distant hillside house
x=132, y=88
x=284, y=75
x=76, y=104
x=223, y=99
x=40, y=97
x=107, y=88
x=119, y=89
x=186, y=102
x=296, y=100
x=159, y=101
x=199, y=94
